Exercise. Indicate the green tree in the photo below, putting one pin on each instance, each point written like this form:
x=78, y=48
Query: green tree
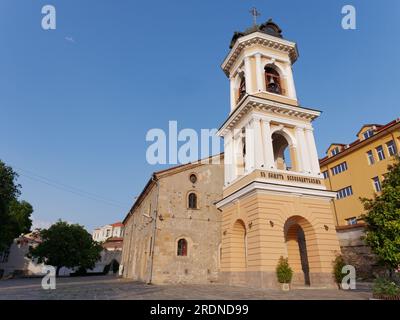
x=67, y=245
x=14, y=215
x=383, y=219
x=21, y=215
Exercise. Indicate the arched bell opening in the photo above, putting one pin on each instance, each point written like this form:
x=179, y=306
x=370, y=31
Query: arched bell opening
x=242, y=87
x=273, y=80
x=283, y=152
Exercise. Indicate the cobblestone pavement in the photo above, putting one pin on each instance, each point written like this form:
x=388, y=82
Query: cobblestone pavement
x=110, y=288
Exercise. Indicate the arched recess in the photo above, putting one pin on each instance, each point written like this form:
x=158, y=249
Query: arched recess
x=301, y=246
x=239, y=246
x=284, y=150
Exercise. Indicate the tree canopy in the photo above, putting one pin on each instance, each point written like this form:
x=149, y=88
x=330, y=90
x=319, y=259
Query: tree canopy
x=14, y=215
x=67, y=245
x=383, y=219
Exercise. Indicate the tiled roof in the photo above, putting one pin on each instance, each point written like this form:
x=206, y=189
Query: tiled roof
x=114, y=239
x=158, y=174
x=118, y=224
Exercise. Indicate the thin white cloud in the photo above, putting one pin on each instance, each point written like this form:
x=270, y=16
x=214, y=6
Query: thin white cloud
x=40, y=224
x=70, y=39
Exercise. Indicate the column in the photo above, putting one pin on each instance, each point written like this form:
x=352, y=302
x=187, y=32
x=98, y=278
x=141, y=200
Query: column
x=258, y=144
x=248, y=75
x=290, y=82
x=300, y=161
x=237, y=153
x=249, y=138
x=269, y=162
x=312, y=149
x=302, y=150
x=233, y=93
x=228, y=158
x=259, y=73
x=293, y=157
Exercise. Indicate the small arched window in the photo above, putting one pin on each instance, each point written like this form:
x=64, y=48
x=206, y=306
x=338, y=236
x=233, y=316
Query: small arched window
x=192, y=200
x=273, y=80
x=242, y=88
x=182, y=247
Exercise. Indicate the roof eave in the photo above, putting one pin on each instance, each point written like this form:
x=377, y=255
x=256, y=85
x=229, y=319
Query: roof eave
x=265, y=37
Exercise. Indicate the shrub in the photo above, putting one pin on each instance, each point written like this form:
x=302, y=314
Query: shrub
x=81, y=271
x=107, y=268
x=338, y=265
x=283, y=271
x=385, y=289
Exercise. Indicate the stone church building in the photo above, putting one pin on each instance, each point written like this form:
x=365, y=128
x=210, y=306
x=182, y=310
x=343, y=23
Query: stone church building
x=172, y=233
x=231, y=222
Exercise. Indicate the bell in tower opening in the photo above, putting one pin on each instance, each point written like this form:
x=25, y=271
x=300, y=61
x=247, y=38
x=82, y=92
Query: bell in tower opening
x=273, y=81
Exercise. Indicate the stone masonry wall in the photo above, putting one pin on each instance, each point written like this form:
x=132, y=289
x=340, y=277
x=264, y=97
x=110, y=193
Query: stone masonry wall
x=200, y=227
x=355, y=252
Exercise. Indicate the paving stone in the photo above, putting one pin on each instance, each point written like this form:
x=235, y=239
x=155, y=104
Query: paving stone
x=111, y=288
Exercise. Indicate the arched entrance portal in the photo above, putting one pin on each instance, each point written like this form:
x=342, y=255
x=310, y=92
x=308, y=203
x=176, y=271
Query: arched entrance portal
x=297, y=230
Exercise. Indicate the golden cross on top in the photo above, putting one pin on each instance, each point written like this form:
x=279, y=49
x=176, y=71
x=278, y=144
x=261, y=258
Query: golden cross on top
x=255, y=13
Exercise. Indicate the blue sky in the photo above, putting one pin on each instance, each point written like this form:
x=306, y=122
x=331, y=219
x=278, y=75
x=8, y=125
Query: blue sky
x=76, y=102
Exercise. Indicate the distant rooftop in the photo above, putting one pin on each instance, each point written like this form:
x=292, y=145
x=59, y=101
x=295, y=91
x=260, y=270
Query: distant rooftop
x=348, y=147
x=118, y=224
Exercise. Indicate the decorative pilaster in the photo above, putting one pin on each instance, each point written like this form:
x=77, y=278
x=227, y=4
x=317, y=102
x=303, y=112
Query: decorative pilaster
x=237, y=153
x=228, y=158
x=312, y=150
x=302, y=149
x=258, y=144
x=290, y=82
x=249, y=138
x=233, y=93
x=268, y=149
x=248, y=75
x=259, y=72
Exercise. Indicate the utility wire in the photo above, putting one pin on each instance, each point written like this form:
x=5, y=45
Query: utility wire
x=61, y=186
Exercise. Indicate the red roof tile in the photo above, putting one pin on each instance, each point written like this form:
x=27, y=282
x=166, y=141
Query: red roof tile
x=117, y=224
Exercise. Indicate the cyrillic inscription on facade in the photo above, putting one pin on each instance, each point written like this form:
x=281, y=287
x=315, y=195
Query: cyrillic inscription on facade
x=288, y=177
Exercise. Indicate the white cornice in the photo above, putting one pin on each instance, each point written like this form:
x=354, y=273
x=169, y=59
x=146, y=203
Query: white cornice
x=273, y=107
x=263, y=39
x=276, y=189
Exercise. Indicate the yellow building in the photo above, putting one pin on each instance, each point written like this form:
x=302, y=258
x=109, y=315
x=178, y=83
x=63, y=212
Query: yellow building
x=357, y=169
x=275, y=202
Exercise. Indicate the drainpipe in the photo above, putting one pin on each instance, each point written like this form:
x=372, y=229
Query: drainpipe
x=153, y=241
x=395, y=144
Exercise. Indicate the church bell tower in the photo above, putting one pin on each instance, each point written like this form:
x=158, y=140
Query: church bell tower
x=274, y=202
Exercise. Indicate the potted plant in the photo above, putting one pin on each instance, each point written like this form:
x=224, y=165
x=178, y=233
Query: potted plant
x=338, y=265
x=284, y=273
x=385, y=289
